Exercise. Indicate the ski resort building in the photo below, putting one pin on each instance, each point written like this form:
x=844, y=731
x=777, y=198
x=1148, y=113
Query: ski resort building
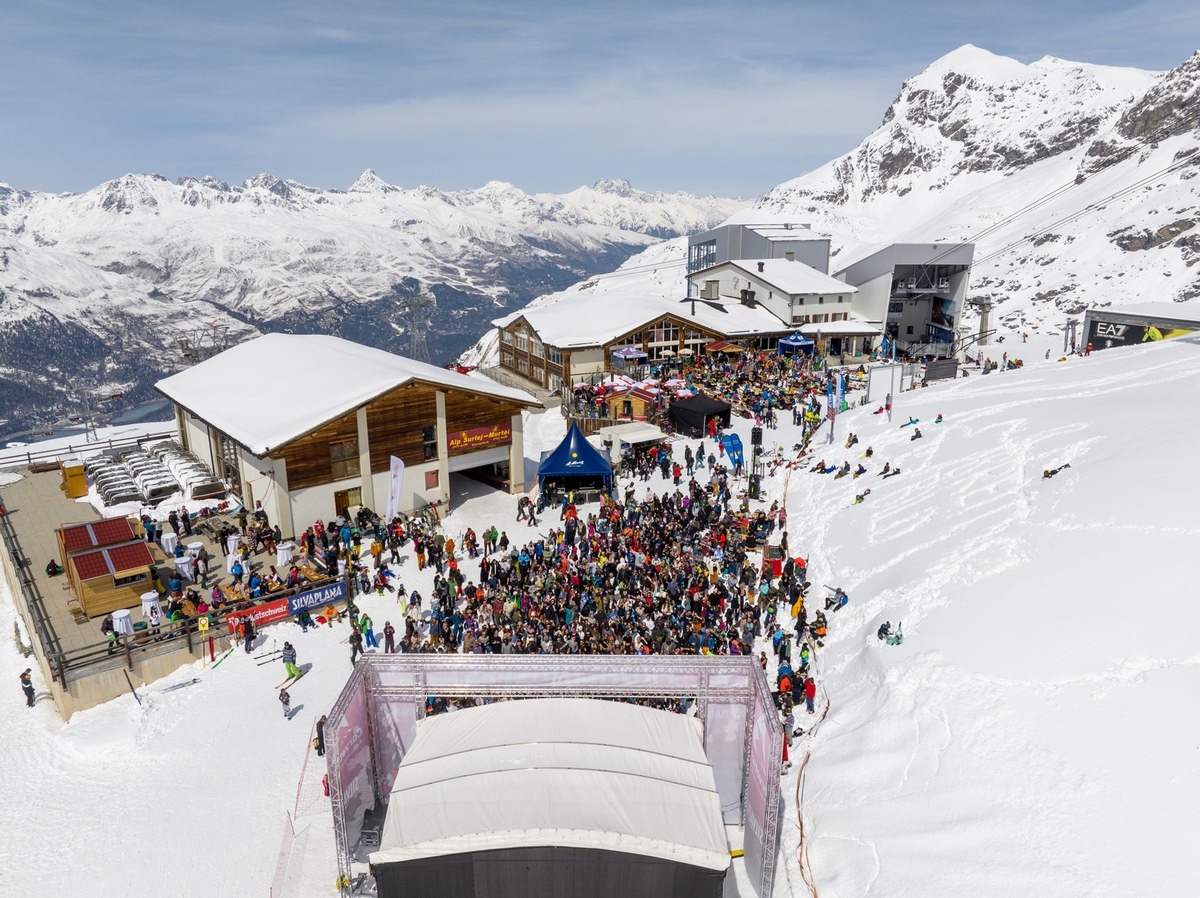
x=777, y=240
x=913, y=292
x=313, y=425
x=558, y=344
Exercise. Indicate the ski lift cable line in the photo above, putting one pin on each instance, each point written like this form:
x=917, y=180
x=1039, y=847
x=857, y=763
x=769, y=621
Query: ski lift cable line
x=1190, y=119
x=1091, y=207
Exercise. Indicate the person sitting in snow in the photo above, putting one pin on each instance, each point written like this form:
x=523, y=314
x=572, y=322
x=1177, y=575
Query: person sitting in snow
x=885, y=630
x=938, y=419
x=859, y=471
x=842, y=471
x=916, y=435
x=887, y=466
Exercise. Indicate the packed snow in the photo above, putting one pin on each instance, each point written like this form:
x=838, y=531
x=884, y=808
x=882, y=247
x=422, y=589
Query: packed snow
x=1032, y=735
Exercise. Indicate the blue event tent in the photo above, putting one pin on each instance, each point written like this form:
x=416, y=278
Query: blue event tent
x=796, y=344
x=575, y=464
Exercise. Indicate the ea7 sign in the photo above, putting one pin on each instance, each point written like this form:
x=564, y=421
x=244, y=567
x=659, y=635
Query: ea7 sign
x=317, y=598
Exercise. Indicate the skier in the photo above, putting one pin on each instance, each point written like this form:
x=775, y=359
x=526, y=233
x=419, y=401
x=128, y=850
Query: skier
x=27, y=686
x=286, y=701
x=289, y=661
x=368, y=631
x=319, y=741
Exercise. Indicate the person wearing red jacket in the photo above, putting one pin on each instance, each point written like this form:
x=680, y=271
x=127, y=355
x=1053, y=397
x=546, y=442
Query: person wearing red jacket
x=810, y=693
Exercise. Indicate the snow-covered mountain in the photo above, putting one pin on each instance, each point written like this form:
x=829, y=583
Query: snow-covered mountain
x=129, y=268
x=1076, y=182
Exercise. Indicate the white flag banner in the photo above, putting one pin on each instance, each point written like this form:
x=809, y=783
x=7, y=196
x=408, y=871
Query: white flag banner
x=395, y=480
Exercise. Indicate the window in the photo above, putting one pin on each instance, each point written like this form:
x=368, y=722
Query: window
x=343, y=459
x=506, y=359
x=522, y=341
x=555, y=356
x=800, y=300
x=506, y=337
x=820, y=299
x=895, y=308
x=429, y=441
x=702, y=255
x=538, y=351
x=539, y=374
x=523, y=365
x=131, y=579
x=555, y=383
x=909, y=329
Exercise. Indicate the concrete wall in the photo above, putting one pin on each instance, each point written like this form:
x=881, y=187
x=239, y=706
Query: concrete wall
x=587, y=361
x=96, y=687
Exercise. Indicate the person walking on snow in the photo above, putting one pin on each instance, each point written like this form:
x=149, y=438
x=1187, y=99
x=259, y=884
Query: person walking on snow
x=27, y=686
x=286, y=701
x=368, y=631
x=289, y=661
x=810, y=694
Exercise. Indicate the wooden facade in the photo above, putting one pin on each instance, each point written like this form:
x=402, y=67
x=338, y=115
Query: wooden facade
x=396, y=425
x=661, y=337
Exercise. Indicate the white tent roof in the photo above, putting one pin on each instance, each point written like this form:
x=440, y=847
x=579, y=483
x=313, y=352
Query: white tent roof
x=571, y=773
x=635, y=432
x=320, y=378
x=851, y=327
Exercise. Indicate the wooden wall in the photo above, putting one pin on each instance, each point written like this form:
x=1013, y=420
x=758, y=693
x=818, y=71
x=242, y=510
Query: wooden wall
x=394, y=425
x=308, y=462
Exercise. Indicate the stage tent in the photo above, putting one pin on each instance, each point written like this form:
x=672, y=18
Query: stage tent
x=795, y=345
x=559, y=796
x=575, y=464
x=690, y=416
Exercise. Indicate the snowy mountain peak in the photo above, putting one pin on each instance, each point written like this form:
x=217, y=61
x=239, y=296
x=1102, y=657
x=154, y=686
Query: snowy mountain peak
x=615, y=186
x=369, y=182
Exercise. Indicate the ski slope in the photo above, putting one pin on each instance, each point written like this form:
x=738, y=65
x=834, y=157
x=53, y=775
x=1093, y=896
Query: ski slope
x=1034, y=734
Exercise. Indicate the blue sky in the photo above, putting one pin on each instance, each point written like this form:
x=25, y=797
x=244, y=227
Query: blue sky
x=724, y=98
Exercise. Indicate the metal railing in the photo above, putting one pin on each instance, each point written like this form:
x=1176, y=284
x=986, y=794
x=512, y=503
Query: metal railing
x=10, y=458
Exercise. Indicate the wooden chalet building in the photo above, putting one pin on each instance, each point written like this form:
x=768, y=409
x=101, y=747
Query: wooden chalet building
x=565, y=342
x=309, y=425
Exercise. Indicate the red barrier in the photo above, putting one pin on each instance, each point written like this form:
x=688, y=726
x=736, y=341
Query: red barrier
x=267, y=613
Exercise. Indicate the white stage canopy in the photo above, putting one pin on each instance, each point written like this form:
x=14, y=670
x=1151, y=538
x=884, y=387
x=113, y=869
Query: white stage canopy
x=560, y=772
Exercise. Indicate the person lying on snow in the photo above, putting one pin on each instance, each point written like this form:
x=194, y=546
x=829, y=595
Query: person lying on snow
x=842, y=471
x=1050, y=472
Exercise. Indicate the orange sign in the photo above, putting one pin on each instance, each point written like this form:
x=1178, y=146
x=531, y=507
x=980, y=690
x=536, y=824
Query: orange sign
x=459, y=441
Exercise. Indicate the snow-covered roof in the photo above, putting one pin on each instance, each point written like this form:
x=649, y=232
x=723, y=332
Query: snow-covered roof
x=572, y=773
x=788, y=276
x=854, y=326
x=216, y=389
x=580, y=320
x=1179, y=311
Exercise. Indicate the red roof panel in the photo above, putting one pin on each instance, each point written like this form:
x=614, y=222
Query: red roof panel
x=126, y=558
x=106, y=532
x=91, y=565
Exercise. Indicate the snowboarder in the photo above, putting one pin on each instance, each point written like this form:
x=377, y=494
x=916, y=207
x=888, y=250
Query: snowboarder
x=286, y=701
x=289, y=661
x=27, y=686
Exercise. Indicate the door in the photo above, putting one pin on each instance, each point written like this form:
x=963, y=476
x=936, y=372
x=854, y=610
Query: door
x=344, y=500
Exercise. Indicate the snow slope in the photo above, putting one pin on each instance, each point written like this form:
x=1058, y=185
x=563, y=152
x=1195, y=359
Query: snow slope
x=1033, y=735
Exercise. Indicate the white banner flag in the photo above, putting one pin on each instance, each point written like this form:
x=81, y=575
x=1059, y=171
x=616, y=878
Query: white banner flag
x=395, y=480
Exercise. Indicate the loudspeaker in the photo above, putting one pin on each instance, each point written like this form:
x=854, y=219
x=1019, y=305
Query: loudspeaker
x=755, y=436
x=755, y=488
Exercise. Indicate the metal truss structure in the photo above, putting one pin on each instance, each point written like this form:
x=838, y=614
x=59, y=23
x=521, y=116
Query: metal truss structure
x=374, y=716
